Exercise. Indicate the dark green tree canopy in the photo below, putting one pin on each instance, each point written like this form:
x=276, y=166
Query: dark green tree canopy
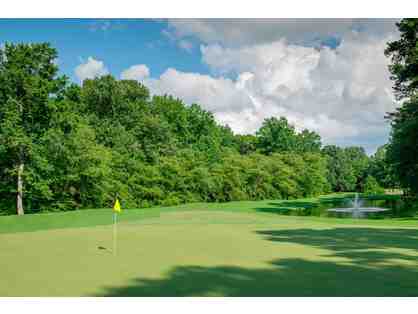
x=30, y=93
x=341, y=175
x=277, y=135
x=402, y=152
x=382, y=169
x=404, y=56
x=403, y=148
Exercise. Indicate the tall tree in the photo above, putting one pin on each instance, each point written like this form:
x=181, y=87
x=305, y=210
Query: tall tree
x=381, y=169
x=403, y=147
x=359, y=162
x=276, y=135
x=404, y=57
x=309, y=141
x=246, y=144
x=29, y=88
x=341, y=174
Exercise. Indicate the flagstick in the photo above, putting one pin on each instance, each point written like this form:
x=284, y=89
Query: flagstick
x=115, y=232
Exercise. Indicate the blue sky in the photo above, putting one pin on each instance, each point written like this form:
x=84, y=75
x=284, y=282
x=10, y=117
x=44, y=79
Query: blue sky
x=327, y=75
x=119, y=43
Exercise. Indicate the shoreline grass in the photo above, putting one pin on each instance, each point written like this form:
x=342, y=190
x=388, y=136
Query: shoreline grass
x=267, y=208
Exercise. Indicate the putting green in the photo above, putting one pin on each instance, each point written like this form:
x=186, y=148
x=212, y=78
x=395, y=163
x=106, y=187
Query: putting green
x=214, y=253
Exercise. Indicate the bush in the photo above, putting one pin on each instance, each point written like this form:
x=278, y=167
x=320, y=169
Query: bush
x=372, y=187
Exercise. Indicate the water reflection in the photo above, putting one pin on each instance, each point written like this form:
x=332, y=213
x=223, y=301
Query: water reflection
x=321, y=208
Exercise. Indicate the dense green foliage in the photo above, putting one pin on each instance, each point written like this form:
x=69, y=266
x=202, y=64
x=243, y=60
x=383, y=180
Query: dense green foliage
x=404, y=56
x=381, y=169
x=81, y=146
x=347, y=167
x=371, y=186
x=403, y=148
x=277, y=135
x=29, y=94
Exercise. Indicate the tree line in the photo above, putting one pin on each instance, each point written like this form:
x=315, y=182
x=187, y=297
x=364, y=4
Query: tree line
x=64, y=146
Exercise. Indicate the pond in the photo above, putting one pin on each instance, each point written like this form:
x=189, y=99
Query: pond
x=326, y=205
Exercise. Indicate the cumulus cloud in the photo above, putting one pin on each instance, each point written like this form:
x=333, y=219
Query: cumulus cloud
x=214, y=94
x=341, y=93
x=241, y=32
x=90, y=69
x=136, y=72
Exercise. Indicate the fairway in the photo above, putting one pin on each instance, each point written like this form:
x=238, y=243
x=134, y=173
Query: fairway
x=213, y=253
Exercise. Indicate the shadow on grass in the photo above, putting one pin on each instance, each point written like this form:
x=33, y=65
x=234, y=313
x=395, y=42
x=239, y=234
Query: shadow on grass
x=366, y=272
x=343, y=239
x=286, y=277
x=289, y=207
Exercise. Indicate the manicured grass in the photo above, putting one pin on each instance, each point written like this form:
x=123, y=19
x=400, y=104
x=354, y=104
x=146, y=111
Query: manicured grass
x=231, y=249
x=98, y=217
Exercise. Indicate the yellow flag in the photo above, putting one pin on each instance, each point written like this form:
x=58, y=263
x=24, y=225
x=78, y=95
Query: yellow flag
x=116, y=207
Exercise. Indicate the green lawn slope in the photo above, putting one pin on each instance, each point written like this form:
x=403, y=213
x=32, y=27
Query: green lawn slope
x=232, y=249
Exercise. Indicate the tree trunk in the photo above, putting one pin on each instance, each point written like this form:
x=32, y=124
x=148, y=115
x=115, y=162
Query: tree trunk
x=19, y=194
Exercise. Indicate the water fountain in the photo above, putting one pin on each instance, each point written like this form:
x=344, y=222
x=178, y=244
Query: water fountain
x=356, y=210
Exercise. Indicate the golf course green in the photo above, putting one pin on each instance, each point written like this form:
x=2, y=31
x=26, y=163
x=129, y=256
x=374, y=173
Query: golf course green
x=231, y=249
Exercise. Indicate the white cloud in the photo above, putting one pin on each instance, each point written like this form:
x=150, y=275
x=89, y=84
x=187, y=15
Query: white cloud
x=242, y=32
x=90, y=69
x=214, y=94
x=341, y=93
x=136, y=72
